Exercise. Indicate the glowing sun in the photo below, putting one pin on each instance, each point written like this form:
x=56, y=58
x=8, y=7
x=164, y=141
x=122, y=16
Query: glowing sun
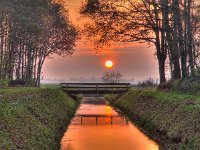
x=109, y=64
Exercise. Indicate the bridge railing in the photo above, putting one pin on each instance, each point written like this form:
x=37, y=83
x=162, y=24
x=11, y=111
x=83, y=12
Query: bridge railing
x=95, y=88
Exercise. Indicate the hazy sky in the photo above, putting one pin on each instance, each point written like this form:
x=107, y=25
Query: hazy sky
x=134, y=61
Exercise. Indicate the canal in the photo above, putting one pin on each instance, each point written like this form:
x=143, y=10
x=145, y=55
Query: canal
x=97, y=126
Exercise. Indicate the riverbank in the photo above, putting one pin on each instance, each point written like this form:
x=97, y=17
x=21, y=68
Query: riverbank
x=34, y=118
x=170, y=118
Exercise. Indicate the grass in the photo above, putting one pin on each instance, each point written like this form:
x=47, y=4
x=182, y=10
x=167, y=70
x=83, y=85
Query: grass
x=173, y=117
x=50, y=85
x=34, y=118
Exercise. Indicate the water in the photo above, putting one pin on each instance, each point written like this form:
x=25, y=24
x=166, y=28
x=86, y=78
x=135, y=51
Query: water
x=97, y=126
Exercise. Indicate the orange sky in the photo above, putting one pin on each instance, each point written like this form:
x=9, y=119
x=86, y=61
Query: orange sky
x=133, y=60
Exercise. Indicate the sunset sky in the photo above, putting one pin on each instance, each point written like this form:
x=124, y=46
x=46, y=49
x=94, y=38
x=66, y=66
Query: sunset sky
x=133, y=61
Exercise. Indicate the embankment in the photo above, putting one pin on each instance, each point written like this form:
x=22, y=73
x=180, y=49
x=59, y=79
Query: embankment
x=33, y=118
x=171, y=118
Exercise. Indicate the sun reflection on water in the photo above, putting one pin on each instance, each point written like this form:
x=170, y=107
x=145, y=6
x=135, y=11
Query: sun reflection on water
x=110, y=132
x=108, y=110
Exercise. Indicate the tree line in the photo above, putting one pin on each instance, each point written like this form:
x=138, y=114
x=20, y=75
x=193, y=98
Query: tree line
x=30, y=32
x=171, y=26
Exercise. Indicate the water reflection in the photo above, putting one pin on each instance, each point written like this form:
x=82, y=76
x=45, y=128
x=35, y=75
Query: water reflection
x=108, y=111
x=98, y=127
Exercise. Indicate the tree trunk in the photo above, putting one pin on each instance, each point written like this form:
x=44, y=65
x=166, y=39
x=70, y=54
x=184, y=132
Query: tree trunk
x=190, y=38
x=174, y=47
x=161, y=65
x=160, y=46
x=181, y=48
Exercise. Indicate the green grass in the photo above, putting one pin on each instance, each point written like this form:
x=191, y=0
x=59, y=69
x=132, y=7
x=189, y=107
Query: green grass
x=176, y=116
x=50, y=85
x=34, y=118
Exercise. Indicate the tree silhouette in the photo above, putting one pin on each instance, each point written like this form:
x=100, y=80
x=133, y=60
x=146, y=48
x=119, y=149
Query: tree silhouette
x=168, y=25
x=112, y=77
x=30, y=32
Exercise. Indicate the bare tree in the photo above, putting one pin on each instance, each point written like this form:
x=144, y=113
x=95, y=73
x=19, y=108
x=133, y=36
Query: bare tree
x=112, y=77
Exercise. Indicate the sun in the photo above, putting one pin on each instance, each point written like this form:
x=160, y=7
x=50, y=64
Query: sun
x=109, y=64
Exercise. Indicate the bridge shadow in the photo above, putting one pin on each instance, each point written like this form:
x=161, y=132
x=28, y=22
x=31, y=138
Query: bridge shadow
x=95, y=110
x=100, y=119
x=94, y=100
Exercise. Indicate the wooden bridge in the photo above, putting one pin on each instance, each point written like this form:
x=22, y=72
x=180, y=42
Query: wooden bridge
x=95, y=88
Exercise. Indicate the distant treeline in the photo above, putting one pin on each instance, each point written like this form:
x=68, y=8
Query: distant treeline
x=171, y=26
x=30, y=32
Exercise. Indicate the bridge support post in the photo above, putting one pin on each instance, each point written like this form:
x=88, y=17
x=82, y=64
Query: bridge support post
x=96, y=120
x=127, y=86
x=67, y=86
x=97, y=88
x=126, y=121
x=112, y=90
x=81, y=120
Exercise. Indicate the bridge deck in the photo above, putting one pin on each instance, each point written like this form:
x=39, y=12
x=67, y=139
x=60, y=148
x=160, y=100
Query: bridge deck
x=95, y=88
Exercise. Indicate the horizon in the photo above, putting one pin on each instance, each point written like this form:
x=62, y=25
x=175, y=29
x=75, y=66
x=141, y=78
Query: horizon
x=90, y=80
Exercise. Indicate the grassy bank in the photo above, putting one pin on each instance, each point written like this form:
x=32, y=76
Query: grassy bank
x=33, y=118
x=173, y=119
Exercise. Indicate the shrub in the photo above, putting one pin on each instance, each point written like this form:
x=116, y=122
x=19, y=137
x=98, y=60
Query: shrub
x=167, y=86
x=4, y=84
x=148, y=83
x=17, y=82
x=190, y=84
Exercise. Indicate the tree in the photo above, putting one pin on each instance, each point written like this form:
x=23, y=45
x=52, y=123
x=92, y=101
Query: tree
x=112, y=77
x=166, y=24
x=30, y=32
x=130, y=21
